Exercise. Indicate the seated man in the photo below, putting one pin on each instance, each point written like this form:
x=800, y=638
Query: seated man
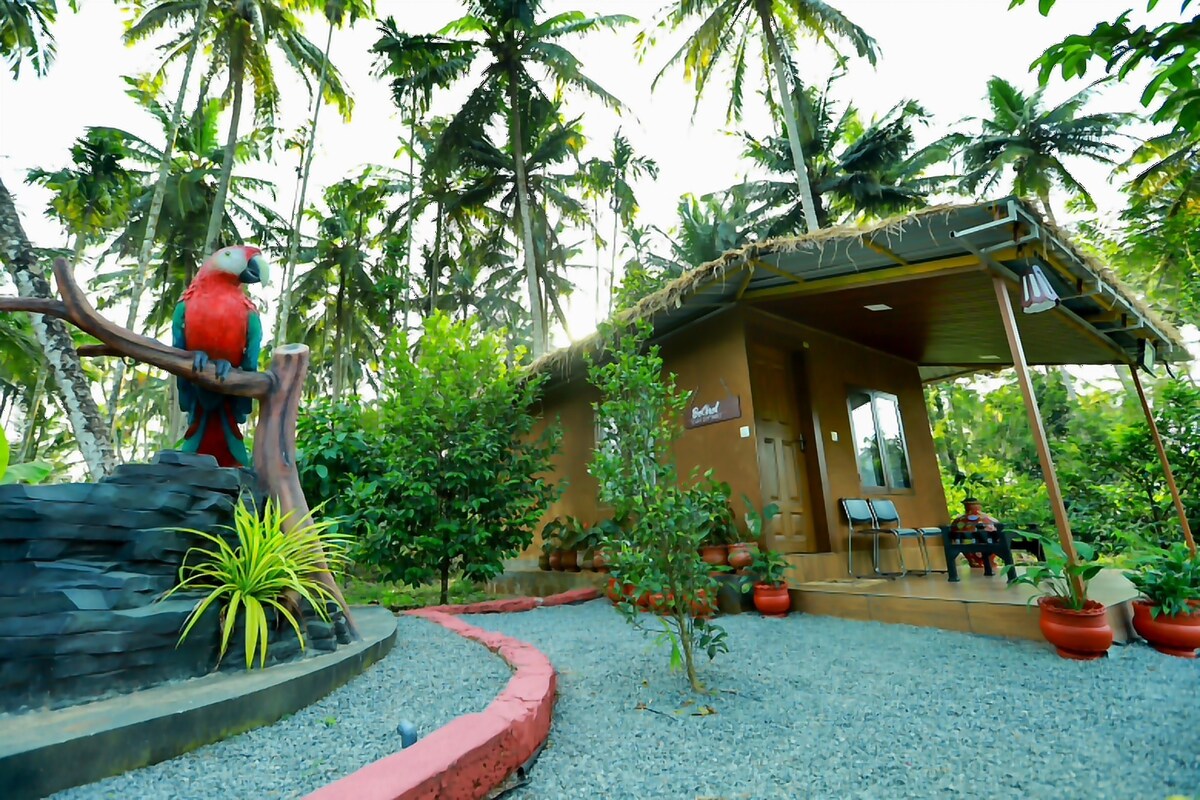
x=973, y=525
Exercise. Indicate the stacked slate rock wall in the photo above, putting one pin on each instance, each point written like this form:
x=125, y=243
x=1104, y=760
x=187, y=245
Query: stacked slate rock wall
x=81, y=569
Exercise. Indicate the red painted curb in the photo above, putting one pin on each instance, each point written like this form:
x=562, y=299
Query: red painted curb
x=470, y=756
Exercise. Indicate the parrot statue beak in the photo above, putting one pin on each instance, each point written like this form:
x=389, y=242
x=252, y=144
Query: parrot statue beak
x=254, y=271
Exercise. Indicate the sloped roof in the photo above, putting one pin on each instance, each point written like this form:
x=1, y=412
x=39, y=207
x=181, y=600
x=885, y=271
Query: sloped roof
x=927, y=236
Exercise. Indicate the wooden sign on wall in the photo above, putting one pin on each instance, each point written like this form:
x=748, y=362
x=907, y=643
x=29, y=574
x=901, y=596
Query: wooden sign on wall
x=700, y=414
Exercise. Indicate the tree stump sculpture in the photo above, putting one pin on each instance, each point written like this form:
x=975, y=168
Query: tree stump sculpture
x=277, y=390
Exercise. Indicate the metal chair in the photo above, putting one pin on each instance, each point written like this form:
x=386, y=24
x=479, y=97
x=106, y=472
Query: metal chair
x=862, y=522
x=888, y=518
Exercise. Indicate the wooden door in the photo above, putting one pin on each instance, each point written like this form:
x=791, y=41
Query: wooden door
x=782, y=460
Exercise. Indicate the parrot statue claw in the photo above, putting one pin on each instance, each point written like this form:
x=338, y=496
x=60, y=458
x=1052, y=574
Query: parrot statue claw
x=223, y=369
x=199, y=361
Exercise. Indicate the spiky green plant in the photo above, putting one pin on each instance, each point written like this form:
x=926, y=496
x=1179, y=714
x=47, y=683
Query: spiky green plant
x=268, y=564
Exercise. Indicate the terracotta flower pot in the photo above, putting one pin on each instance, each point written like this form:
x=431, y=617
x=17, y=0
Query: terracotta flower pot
x=555, y=560
x=772, y=601
x=544, y=561
x=702, y=606
x=1175, y=634
x=739, y=555
x=715, y=554
x=570, y=560
x=612, y=592
x=1081, y=635
x=600, y=560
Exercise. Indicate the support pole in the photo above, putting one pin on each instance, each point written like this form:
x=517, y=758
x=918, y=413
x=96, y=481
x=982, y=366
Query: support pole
x=1039, y=431
x=1166, y=465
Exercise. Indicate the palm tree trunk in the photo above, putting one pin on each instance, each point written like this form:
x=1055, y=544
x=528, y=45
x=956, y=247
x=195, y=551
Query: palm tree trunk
x=540, y=341
x=406, y=277
x=612, y=267
x=338, y=354
x=237, y=79
x=1044, y=199
x=289, y=267
x=91, y=434
x=156, y=205
x=790, y=121
x=435, y=266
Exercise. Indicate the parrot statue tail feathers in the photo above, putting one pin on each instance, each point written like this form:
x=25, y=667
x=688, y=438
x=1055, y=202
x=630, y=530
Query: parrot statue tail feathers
x=215, y=431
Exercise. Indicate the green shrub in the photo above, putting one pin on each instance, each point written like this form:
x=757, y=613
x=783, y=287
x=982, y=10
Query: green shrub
x=268, y=563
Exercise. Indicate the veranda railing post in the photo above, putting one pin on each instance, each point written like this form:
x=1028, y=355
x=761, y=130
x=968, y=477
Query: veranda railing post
x=1039, y=431
x=1166, y=465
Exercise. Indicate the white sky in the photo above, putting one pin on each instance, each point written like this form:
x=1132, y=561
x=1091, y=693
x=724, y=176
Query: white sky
x=938, y=52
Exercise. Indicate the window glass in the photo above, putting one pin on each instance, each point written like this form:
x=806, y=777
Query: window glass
x=866, y=443
x=879, y=440
x=891, y=438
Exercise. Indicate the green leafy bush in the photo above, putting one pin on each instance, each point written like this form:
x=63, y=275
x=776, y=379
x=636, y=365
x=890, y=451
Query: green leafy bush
x=658, y=551
x=268, y=563
x=1053, y=576
x=767, y=566
x=453, y=477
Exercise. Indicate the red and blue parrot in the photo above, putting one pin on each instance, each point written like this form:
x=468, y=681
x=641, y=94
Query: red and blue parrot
x=218, y=322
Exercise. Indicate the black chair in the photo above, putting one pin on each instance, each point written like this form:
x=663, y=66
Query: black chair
x=986, y=543
x=888, y=518
x=862, y=523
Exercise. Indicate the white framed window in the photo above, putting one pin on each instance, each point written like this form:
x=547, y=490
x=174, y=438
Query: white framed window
x=879, y=446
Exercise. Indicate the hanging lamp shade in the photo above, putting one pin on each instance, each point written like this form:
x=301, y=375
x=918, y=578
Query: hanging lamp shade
x=1037, y=295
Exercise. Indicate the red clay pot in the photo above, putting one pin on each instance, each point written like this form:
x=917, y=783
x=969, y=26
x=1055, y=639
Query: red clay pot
x=570, y=560
x=739, y=555
x=600, y=561
x=612, y=592
x=702, y=606
x=555, y=560
x=1081, y=635
x=1175, y=635
x=544, y=561
x=715, y=554
x=772, y=601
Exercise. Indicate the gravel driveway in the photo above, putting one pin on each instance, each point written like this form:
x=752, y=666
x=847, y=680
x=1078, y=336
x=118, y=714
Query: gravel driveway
x=815, y=707
x=430, y=677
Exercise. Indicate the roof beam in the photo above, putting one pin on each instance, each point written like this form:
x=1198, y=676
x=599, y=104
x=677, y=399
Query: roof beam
x=873, y=277
x=760, y=264
x=883, y=251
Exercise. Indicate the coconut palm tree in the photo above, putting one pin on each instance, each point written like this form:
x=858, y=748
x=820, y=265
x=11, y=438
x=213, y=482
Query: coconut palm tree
x=92, y=196
x=240, y=34
x=190, y=197
x=521, y=60
x=859, y=170
x=25, y=33
x=724, y=34
x=612, y=176
x=1024, y=137
x=337, y=14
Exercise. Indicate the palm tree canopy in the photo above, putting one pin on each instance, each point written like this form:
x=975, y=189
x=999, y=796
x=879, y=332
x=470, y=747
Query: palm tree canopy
x=857, y=169
x=247, y=29
x=25, y=33
x=728, y=26
x=1031, y=140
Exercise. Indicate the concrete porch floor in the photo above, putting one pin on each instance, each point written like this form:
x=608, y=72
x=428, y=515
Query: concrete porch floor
x=976, y=604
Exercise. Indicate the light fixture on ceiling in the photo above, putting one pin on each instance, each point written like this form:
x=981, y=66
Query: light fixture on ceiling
x=1037, y=295
x=878, y=307
x=989, y=358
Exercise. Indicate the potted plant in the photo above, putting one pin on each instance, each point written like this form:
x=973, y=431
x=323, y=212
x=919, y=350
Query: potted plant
x=552, y=542
x=1076, y=626
x=771, y=596
x=571, y=540
x=740, y=553
x=719, y=528
x=607, y=532
x=1168, y=613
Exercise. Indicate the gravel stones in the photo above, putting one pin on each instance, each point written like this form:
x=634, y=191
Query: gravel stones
x=817, y=707
x=430, y=677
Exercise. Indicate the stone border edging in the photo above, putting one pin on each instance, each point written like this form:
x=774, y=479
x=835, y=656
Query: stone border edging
x=467, y=758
